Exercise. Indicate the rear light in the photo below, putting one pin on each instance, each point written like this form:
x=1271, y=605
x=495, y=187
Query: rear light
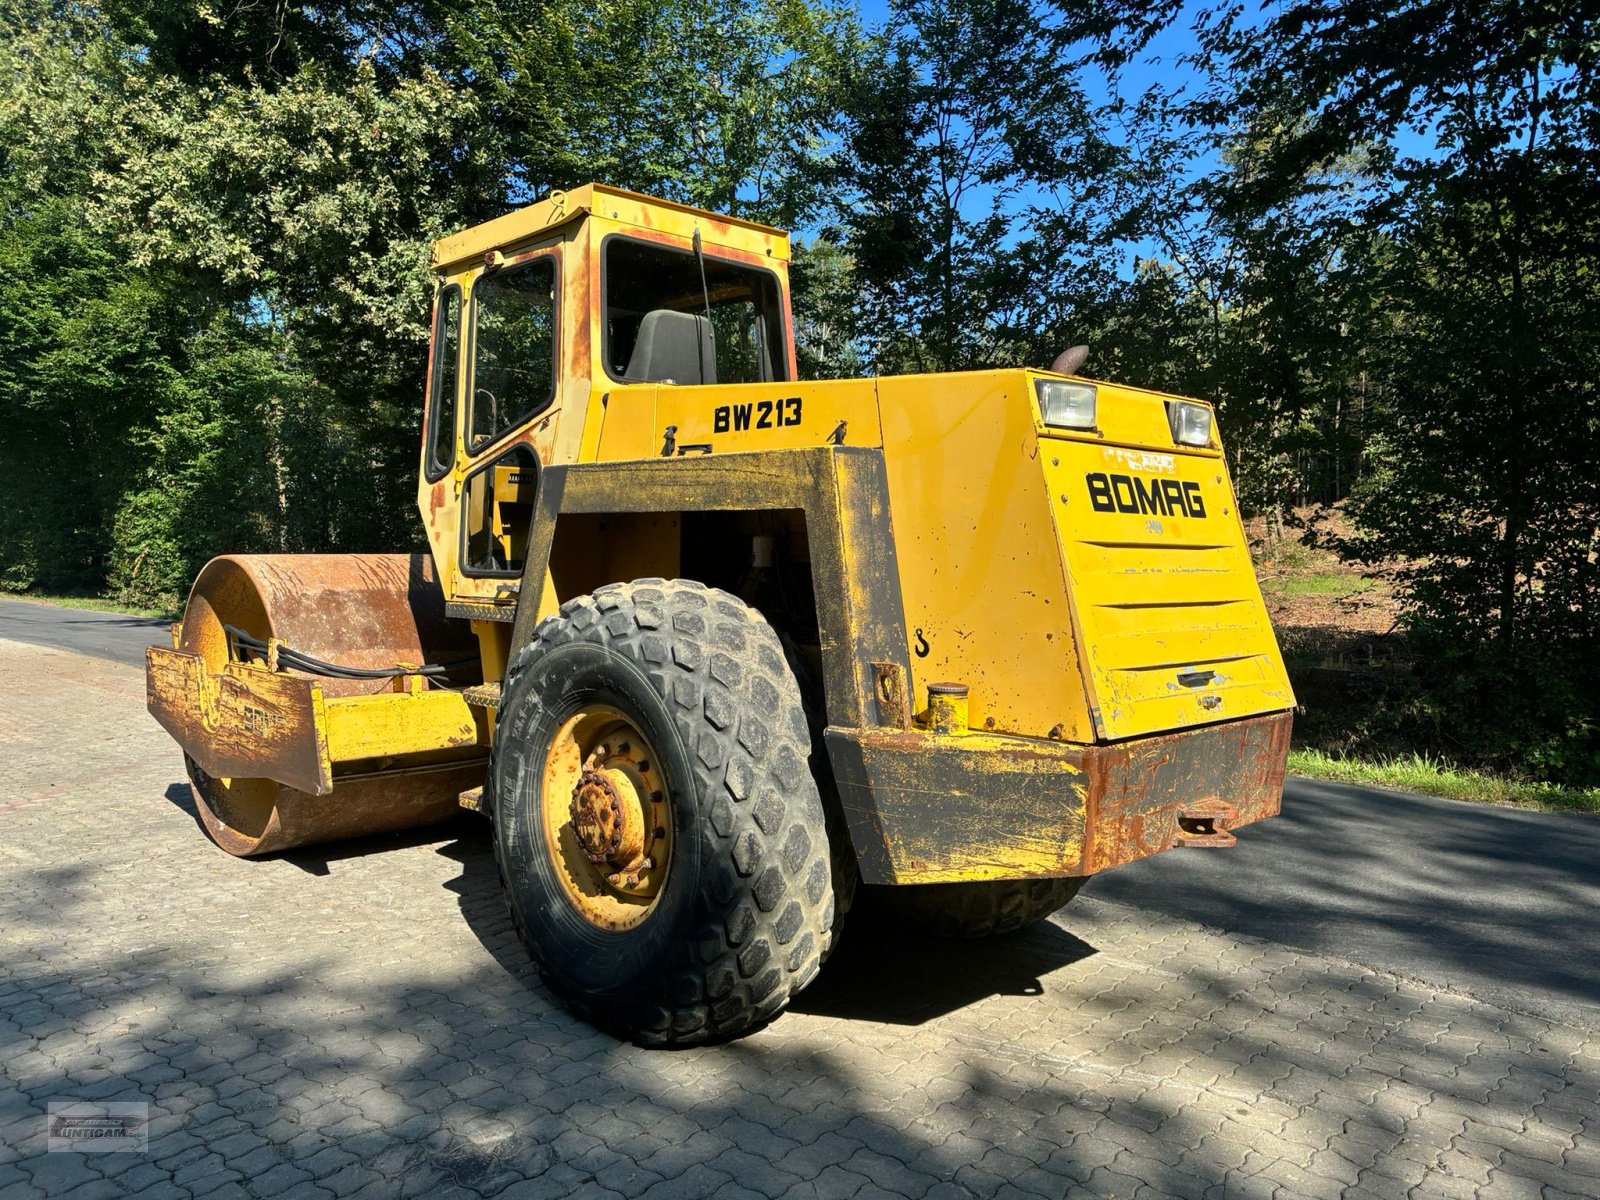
x=1066, y=404
x=1191, y=423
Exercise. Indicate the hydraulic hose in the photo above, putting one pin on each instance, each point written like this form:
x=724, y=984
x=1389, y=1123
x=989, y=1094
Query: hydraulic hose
x=289, y=657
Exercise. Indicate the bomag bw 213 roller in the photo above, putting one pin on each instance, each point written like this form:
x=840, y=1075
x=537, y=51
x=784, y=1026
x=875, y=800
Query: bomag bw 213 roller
x=710, y=645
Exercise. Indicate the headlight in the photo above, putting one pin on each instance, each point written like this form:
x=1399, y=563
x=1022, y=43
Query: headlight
x=1191, y=423
x=1065, y=404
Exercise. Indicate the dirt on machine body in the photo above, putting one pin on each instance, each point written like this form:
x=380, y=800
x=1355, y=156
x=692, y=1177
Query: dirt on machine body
x=716, y=648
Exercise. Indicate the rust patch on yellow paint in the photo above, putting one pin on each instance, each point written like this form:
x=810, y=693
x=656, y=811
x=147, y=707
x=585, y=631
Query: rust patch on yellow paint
x=283, y=758
x=923, y=808
x=1142, y=790
x=244, y=721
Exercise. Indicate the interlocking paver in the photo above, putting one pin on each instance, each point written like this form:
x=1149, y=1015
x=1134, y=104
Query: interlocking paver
x=359, y=1022
x=699, y=1180
x=1502, y=1186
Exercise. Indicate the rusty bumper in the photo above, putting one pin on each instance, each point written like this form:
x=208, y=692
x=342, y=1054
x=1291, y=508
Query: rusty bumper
x=925, y=808
x=251, y=723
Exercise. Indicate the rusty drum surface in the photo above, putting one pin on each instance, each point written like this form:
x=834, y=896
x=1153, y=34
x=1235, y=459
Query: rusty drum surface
x=368, y=611
x=358, y=610
x=249, y=817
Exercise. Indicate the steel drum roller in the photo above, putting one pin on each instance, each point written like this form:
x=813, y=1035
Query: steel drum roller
x=369, y=611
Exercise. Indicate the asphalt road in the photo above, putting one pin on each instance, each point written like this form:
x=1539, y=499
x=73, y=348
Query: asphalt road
x=1495, y=903
x=115, y=636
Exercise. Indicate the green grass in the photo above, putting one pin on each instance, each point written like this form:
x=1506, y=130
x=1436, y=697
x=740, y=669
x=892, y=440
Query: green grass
x=1435, y=777
x=1316, y=583
x=1289, y=555
x=96, y=603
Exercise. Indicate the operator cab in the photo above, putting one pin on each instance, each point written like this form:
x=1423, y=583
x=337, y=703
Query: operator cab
x=543, y=313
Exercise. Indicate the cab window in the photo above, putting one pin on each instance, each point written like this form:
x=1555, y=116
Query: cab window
x=513, y=348
x=655, y=300
x=442, y=402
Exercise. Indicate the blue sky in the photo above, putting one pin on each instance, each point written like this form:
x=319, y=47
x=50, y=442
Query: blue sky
x=1161, y=63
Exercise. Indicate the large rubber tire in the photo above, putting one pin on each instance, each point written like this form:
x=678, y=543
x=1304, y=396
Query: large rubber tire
x=846, y=872
x=745, y=909
x=977, y=910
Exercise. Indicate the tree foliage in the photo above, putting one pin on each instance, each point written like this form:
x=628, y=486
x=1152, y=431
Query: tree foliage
x=1369, y=232
x=977, y=175
x=219, y=230
x=1484, y=484
x=724, y=104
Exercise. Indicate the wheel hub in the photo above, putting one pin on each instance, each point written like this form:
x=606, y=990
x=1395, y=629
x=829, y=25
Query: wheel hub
x=612, y=838
x=608, y=816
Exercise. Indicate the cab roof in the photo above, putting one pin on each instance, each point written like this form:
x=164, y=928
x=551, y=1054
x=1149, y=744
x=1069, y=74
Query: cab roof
x=615, y=206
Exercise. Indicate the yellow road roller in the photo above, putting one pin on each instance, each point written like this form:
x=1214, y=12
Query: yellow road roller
x=714, y=648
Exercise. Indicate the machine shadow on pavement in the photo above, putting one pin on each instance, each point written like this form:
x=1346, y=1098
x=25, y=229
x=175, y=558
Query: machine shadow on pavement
x=877, y=974
x=291, y=1028
x=880, y=973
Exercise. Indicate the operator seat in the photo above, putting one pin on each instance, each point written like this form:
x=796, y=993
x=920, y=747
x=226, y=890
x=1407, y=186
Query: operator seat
x=673, y=347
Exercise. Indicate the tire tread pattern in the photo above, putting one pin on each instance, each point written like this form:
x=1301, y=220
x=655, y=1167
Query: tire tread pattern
x=978, y=910
x=767, y=908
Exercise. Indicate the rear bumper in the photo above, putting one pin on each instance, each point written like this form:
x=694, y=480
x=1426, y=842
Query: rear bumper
x=925, y=808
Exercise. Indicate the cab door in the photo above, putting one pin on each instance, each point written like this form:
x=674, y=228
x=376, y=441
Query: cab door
x=493, y=399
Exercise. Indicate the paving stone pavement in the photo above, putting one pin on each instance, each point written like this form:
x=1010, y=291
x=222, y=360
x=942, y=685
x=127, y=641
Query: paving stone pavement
x=360, y=1021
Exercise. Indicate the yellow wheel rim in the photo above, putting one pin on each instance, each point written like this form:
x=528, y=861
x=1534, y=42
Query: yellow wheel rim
x=607, y=820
